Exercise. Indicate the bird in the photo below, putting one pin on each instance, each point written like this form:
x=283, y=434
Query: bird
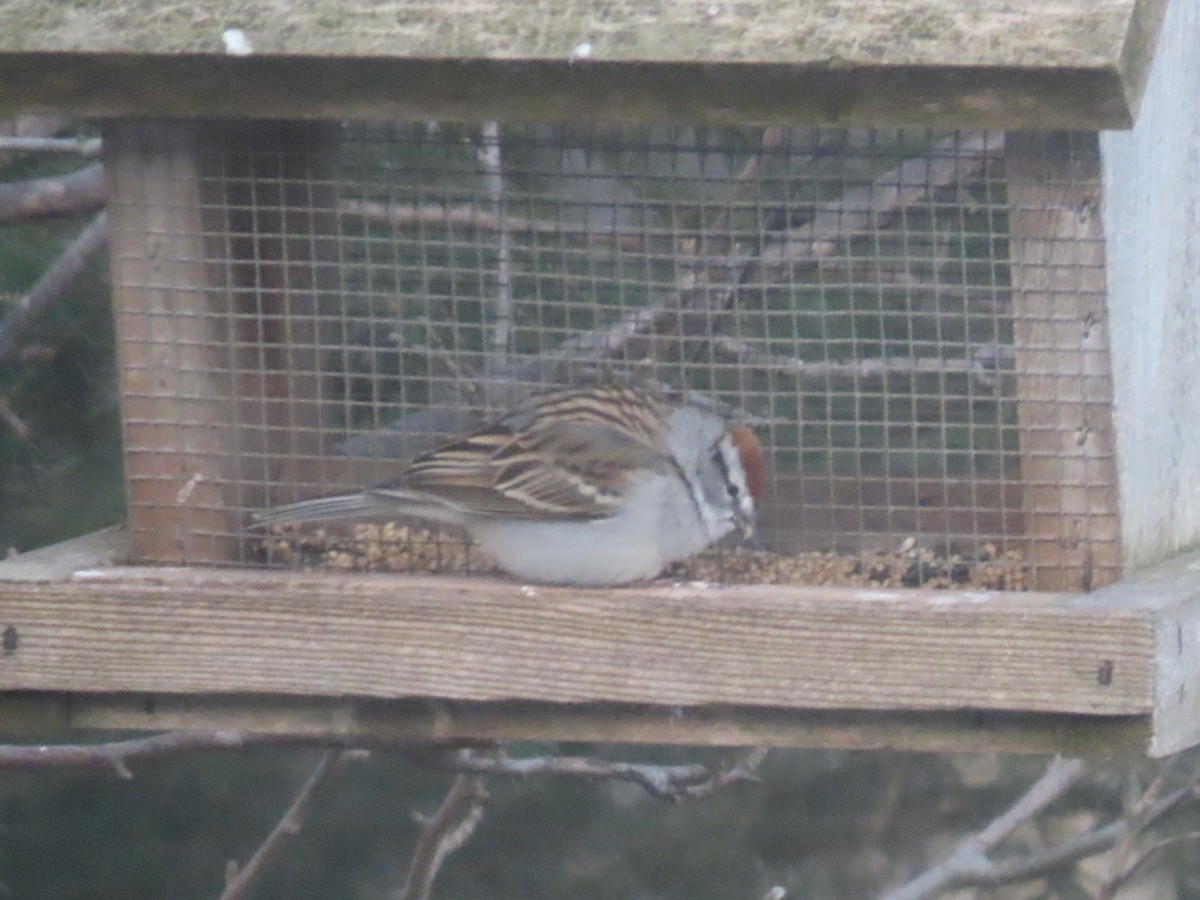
x=597, y=485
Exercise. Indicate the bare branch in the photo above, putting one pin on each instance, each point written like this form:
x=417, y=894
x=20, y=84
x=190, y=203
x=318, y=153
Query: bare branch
x=969, y=865
x=1081, y=846
x=669, y=782
x=709, y=282
x=1137, y=818
x=490, y=159
x=116, y=755
x=79, y=146
x=1121, y=878
x=64, y=195
x=1059, y=775
x=401, y=216
x=982, y=364
x=30, y=127
x=742, y=182
x=15, y=423
x=449, y=828
x=1140, y=817
x=287, y=828
x=866, y=208
x=672, y=782
x=47, y=289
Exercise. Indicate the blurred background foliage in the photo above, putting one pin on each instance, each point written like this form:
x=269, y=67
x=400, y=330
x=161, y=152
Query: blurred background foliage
x=674, y=210
x=60, y=474
x=821, y=824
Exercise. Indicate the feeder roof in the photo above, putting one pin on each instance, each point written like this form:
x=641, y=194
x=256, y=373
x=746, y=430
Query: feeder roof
x=945, y=63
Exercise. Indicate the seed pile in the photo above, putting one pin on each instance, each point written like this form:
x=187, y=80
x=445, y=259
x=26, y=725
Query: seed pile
x=909, y=567
x=415, y=549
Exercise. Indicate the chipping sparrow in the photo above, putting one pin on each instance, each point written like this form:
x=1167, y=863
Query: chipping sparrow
x=585, y=486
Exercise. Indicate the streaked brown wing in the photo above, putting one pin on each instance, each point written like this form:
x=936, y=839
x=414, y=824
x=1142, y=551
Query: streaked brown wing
x=565, y=456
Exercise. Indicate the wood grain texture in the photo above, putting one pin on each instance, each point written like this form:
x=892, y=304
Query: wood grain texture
x=383, y=658
x=179, y=631
x=1069, y=63
x=369, y=723
x=1063, y=368
x=1172, y=591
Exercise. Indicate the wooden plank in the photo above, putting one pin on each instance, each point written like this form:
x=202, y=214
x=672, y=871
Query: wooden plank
x=1172, y=591
x=370, y=723
x=337, y=634
x=1151, y=215
x=1061, y=338
x=1133, y=648
x=1073, y=63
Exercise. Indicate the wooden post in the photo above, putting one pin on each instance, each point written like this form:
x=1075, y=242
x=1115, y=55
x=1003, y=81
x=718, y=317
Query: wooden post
x=1064, y=386
x=223, y=243
x=172, y=328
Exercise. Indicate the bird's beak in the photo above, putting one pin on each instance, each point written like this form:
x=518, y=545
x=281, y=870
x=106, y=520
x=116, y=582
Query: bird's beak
x=745, y=524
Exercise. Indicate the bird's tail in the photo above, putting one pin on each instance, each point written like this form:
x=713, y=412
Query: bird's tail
x=365, y=504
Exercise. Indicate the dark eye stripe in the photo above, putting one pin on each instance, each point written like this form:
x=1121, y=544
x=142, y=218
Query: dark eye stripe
x=723, y=467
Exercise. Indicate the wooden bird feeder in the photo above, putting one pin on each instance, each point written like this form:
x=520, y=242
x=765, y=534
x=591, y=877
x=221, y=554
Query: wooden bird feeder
x=904, y=243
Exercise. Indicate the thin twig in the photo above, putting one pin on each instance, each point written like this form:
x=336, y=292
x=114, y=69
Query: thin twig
x=31, y=127
x=14, y=422
x=79, y=146
x=465, y=215
x=672, y=782
x=982, y=363
x=286, y=829
x=63, y=195
x=1124, y=847
x=745, y=179
x=489, y=157
x=1080, y=846
x=856, y=212
x=669, y=782
x=866, y=208
x=467, y=385
x=982, y=873
x=449, y=828
x=117, y=755
x=969, y=861
x=47, y=289
x=1125, y=875
x=1138, y=820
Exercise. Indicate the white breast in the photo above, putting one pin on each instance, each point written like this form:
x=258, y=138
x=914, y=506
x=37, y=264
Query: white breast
x=657, y=526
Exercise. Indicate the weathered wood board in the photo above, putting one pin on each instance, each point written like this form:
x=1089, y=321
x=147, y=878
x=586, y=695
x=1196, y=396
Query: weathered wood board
x=663, y=662
x=942, y=63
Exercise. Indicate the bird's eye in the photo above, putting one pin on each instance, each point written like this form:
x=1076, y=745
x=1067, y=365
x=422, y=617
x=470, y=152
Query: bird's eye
x=733, y=490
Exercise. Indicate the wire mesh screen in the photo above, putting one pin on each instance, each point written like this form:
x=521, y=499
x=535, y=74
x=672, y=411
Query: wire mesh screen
x=911, y=322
